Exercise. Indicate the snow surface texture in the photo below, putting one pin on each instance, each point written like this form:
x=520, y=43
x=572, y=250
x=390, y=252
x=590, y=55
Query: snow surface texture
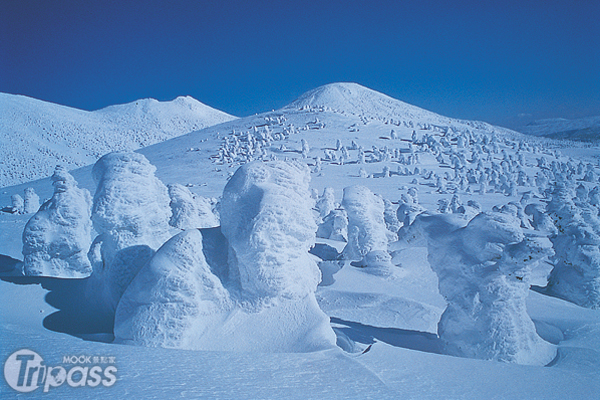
x=56, y=239
x=263, y=300
x=576, y=273
x=483, y=270
x=37, y=135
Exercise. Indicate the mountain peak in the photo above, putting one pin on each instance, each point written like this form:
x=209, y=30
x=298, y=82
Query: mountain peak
x=354, y=99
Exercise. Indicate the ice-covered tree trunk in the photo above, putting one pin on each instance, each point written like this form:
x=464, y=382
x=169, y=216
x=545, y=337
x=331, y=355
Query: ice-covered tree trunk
x=483, y=272
x=57, y=238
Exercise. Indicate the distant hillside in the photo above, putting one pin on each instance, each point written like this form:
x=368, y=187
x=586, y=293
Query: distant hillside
x=37, y=135
x=582, y=129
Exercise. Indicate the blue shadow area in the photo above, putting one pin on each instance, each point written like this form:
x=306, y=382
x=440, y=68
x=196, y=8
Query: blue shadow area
x=366, y=334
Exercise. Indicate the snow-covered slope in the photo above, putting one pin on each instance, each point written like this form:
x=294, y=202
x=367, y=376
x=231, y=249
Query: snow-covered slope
x=386, y=324
x=583, y=129
x=37, y=135
x=353, y=99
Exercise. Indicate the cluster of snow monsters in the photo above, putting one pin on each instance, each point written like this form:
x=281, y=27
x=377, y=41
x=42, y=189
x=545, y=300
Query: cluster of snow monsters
x=476, y=163
x=246, y=285
x=253, y=271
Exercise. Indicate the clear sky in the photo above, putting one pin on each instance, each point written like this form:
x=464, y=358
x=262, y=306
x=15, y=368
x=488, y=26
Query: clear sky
x=500, y=61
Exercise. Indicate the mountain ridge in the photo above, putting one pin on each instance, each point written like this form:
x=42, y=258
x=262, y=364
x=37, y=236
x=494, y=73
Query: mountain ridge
x=37, y=135
x=581, y=129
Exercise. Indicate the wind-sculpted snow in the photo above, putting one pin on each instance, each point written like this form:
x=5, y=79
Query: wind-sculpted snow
x=484, y=270
x=262, y=300
x=38, y=135
x=56, y=239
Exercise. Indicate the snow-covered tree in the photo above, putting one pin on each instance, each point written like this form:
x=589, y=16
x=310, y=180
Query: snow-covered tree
x=305, y=148
x=367, y=233
x=270, y=242
x=326, y=203
x=334, y=226
x=261, y=300
x=576, y=272
x=391, y=217
x=17, y=203
x=131, y=215
x=131, y=205
x=57, y=238
x=483, y=272
x=31, y=201
x=190, y=211
x=174, y=299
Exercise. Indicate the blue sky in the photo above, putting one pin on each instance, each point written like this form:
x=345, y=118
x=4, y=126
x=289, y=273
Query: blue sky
x=488, y=60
